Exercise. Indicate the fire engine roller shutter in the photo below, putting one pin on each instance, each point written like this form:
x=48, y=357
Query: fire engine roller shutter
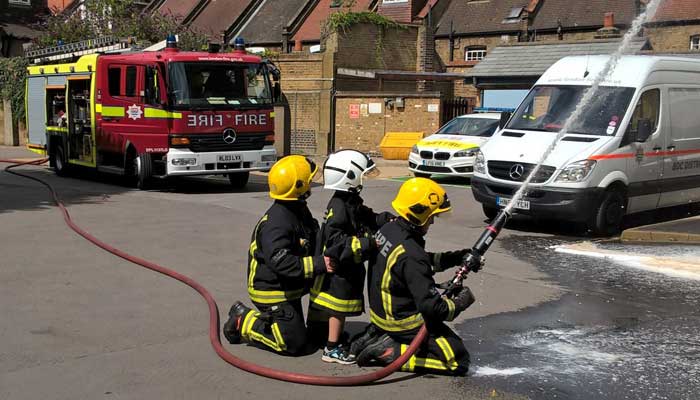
x=55, y=81
x=36, y=110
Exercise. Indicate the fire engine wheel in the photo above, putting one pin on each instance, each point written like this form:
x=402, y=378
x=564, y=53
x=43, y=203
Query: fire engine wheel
x=239, y=179
x=59, y=162
x=143, y=168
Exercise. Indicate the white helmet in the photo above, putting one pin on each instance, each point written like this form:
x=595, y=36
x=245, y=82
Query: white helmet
x=345, y=169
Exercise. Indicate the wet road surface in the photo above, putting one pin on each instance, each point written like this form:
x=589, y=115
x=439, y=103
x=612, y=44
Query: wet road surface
x=618, y=332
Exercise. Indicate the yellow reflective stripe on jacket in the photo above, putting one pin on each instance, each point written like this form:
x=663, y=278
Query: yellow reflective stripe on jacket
x=406, y=324
x=274, y=296
x=308, y=267
x=386, y=281
x=451, y=362
x=334, y=303
x=450, y=309
x=357, y=250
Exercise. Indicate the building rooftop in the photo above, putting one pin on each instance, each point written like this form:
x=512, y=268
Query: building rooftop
x=268, y=20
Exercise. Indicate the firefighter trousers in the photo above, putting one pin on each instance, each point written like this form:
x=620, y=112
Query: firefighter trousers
x=442, y=353
x=278, y=327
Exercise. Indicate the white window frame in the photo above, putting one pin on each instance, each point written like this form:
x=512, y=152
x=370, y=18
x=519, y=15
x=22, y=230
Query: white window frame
x=695, y=42
x=474, y=54
x=20, y=2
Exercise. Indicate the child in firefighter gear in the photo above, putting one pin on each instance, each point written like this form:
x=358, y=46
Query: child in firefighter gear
x=348, y=228
x=281, y=264
x=403, y=294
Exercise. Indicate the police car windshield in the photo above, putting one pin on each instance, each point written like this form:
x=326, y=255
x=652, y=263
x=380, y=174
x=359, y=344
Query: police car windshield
x=546, y=109
x=470, y=127
x=218, y=85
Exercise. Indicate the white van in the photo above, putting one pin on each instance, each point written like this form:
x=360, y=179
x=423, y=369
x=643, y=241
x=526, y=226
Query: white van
x=635, y=148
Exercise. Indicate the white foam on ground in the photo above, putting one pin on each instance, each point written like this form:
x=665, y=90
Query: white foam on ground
x=489, y=371
x=680, y=267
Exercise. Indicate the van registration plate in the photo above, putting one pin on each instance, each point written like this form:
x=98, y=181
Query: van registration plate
x=229, y=157
x=520, y=204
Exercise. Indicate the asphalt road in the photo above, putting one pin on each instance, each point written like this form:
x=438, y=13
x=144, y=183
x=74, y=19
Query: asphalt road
x=80, y=323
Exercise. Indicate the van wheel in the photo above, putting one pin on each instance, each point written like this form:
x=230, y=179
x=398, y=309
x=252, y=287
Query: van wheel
x=607, y=219
x=421, y=175
x=143, y=169
x=239, y=179
x=60, y=165
x=489, y=212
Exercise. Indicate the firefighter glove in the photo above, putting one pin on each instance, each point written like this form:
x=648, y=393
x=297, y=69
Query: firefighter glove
x=463, y=299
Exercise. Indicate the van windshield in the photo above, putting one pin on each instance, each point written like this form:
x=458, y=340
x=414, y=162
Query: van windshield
x=484, y=127
x=217, y=85
x=546, y=109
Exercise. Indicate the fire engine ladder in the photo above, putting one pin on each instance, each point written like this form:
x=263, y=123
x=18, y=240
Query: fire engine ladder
x=70, y=51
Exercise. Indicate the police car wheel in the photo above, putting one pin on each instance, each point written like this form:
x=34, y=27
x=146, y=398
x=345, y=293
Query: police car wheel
x=143, y=167
x=607, y=218
x=239, y=179
x=421, y=175
x=59, y=161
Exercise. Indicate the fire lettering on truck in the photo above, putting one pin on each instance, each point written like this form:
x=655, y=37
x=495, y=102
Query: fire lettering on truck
x=251, y=119
x=194, y=120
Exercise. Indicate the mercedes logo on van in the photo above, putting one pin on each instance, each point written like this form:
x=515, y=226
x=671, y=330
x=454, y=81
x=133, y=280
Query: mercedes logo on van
x=229, y=136
x=516, y=172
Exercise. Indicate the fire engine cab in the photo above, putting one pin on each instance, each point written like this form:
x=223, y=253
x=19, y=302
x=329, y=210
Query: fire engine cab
x=147, y=114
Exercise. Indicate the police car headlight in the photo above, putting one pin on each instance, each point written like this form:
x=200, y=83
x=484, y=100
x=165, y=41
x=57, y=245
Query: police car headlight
x=480, y=163
x=184, y=161
x=466, y=153
x=576, y=172
x=414, y=149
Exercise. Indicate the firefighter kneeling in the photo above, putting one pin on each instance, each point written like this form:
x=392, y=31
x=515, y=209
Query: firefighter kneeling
x=281, y=264
x=403, y=294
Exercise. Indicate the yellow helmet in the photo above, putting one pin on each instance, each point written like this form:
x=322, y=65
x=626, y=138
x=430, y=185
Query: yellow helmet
x=419, y=199
x=290, y=178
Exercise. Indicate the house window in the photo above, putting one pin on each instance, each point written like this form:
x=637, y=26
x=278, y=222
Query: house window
x=474, y=53
x=513, y=15
x=695, y=42
x=20, y=2
x=336, y=3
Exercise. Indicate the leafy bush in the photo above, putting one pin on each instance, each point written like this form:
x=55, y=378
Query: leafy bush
x=12, y=74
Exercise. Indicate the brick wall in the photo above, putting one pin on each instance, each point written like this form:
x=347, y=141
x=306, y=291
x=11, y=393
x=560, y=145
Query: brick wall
x=672, y=38
x=365, y=132
x=367, y=46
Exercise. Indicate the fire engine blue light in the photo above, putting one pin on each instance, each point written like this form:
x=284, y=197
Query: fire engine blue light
x=171, y=41
x=239, y=43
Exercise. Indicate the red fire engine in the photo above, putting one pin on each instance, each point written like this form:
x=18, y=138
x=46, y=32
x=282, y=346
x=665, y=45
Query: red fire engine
x=148, y=114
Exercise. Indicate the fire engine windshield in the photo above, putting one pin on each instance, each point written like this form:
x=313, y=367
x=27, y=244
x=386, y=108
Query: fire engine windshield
x=546, y=109
x=218, y=85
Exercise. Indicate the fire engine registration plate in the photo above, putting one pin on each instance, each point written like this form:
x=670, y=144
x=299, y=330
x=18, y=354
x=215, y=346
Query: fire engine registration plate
x=520, y=204
x=229, y=157
x=433, y=163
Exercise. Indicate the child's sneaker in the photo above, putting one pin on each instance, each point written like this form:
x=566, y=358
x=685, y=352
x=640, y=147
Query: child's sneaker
x=337, y=355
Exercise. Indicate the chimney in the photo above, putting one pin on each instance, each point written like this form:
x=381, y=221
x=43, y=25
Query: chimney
x=298, y=46
x=608, y=31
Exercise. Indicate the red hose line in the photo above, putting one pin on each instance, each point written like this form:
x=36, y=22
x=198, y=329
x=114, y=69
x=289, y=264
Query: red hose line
x=214, y=311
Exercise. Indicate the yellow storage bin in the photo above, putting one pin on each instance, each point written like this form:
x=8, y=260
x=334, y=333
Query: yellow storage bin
x=397, y=145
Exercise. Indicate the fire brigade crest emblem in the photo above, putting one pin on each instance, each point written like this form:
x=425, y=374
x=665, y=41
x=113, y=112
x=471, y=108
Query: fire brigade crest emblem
x=134, y=112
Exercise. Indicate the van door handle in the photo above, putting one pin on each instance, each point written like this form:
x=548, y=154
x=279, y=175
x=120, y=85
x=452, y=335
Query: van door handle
x=671, y=147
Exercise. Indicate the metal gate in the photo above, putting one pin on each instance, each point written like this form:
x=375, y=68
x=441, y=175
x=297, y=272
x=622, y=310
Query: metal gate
x=455, y=107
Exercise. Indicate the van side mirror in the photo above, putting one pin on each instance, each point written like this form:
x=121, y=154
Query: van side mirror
x=505, y=116
x=643, y=130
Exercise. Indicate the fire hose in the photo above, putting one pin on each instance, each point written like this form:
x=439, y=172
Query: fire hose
x=471, y=262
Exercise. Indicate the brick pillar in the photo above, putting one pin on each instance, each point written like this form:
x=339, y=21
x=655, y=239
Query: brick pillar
x=426, y=55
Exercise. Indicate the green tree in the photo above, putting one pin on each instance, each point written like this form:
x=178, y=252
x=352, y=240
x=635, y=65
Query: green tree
x=119, y=18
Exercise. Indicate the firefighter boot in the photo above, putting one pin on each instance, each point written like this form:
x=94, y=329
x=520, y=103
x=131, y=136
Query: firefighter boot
x=384, y=351
x=361, y=341
x=232, y=327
